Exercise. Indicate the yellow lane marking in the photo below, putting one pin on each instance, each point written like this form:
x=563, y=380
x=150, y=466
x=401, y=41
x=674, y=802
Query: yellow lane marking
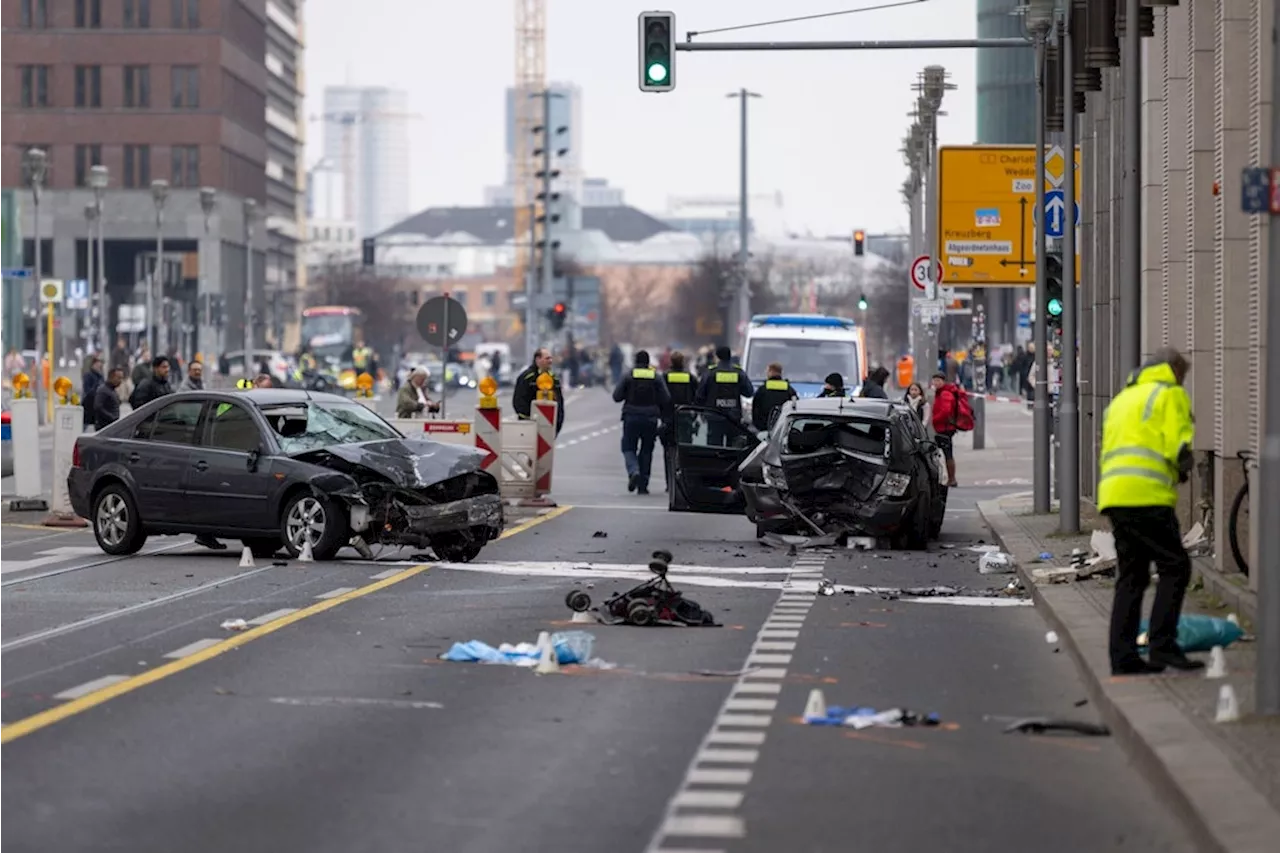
x=34, y=723
x=76, y=706
x=50, y=530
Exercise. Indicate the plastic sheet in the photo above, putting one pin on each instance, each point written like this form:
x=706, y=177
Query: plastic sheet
x=1200, y=633
x=572, y=647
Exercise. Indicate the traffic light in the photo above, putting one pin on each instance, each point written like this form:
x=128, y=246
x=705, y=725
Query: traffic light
x=862, y=302
x=859, y=242
x=557, y=316
x=1053, y=292
x=367, y=246
x=657, y=51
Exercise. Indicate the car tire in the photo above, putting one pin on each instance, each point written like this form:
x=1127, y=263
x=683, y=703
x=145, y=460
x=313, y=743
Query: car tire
x=939, y=513
x=322, y=518
x=262, y=548
x=116, y=523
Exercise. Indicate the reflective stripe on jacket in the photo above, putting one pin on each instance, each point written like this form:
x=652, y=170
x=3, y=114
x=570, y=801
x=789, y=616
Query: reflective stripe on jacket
x=643, y=389
x=1144, y=431
x=724, y=391
x=680, y=385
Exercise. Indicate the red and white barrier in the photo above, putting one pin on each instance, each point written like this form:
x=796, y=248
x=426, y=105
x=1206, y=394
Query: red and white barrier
x=488, y=438
x=544, y=413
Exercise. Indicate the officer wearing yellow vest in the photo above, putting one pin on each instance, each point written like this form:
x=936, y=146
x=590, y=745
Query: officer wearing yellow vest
x=771, y=397
x=722, y=388
x=362, y=358
x=306, y=364
x=681, y=385
x=526, y=388
x=1146, y=452
x=644, y=397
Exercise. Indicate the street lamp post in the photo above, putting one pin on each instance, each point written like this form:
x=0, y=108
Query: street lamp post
x=159, y=192
x=98, y=179
x=36, y=162
x=91, y=224
x=208, y=203
x=742, y=301
x=250, y=211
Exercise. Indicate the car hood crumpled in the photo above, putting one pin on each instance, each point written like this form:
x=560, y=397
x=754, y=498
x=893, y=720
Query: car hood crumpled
x=406, y=462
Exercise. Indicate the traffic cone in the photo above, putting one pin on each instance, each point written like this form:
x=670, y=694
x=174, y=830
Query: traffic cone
x=306, y=556
x=1217, y=663
x=548, y=661
x=1228, y=705
x=246, y=558
x=816, y=707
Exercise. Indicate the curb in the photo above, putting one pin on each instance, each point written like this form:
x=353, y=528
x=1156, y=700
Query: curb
x=1220, y=807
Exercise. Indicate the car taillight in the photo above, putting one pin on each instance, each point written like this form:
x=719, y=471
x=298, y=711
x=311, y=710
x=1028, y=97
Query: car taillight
x=75, y=455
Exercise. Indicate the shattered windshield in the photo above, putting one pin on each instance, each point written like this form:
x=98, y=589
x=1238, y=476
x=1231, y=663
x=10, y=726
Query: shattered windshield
x=308, y=426
x=808, y=434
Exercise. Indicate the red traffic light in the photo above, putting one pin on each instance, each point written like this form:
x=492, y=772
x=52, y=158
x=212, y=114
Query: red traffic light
x=559, y=309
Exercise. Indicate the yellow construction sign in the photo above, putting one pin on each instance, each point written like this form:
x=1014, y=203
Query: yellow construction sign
x=986, y=213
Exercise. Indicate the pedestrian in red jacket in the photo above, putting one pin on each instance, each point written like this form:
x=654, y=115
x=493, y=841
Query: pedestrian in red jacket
x=946, y=397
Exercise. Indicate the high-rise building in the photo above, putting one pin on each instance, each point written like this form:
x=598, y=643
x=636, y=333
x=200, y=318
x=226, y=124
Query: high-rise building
x=198, y=93
x=366, y=135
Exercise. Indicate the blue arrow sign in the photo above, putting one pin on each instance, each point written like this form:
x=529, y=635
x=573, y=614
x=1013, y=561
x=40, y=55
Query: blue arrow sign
x=1055, y=208
x=17, y=272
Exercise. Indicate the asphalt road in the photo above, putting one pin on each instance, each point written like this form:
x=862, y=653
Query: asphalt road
x=331, y=725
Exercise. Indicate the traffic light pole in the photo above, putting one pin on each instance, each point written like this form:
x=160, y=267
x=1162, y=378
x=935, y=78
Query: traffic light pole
x=742, y=296
x=548, y=252
x=1068, y=404
x=1040, y=405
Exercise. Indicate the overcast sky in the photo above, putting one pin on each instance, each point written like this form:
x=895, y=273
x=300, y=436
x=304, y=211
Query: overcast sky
x=825, y=135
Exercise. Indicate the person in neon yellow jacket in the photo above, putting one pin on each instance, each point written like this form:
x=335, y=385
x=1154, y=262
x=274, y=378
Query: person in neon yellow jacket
x=1146, y=452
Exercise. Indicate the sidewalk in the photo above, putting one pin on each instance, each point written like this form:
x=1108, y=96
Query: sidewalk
x=1224, y=778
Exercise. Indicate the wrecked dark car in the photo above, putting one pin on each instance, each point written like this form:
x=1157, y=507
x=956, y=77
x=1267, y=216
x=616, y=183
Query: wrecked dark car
x=280, y=468
x=826, y=467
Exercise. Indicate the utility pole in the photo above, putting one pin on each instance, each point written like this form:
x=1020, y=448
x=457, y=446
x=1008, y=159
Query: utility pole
x=98, y=179
x=250, y=210
x=742, y=297
x=37, y=162
x=91, y=221
x=159, y=193
x=537, y=315
x=1131, y=227
x=1040, y=22
x=1268, y=562
x=1068, y=404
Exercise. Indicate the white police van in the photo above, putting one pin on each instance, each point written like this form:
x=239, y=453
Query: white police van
x=809, y=347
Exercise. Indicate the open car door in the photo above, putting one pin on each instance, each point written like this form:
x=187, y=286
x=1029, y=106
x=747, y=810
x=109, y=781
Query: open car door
x=709, y=448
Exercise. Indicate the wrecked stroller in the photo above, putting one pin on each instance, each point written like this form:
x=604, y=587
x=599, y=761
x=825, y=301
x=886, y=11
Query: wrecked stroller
x=654, y=602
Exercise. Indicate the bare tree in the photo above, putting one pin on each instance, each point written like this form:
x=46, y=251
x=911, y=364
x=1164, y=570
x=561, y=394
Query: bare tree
x=888, y=312
x=380, y=295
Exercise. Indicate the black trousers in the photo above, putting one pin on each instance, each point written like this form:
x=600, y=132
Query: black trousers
x=1146, y=535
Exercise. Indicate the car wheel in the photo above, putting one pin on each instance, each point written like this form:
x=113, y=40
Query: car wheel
x=939, y=513
x=307, y=518
x=262, y=548
x=457, y=547
x=116, y=524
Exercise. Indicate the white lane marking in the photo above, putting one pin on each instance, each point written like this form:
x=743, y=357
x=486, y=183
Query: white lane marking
x=381, y=576
x=974, y=601
x=48, y=556
x=783, y=659
x=747, y=720
x=704, y=826
x=776, y=646
x=560, y=445
x=590, y=569
x=763, y=687
x=737, y=704
x=191, y=648
x=334, y=593
x=766, y=673
x=700, y=799
x=276, y=614
x=351, y=701
x=92, y=564
x=737, y=738
x=778, y=634
x=787, y=618
x=729, y=756
x=90, y=686
x=718, y=776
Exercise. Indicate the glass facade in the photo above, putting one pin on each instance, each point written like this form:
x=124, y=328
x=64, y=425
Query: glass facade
x=1006, y=81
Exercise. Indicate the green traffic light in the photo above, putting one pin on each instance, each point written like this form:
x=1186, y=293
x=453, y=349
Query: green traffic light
x=1055, y=307
x=862, y=304
x=657, y=72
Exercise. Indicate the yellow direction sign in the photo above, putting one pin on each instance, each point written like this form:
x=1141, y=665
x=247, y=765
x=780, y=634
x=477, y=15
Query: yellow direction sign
x=986, y=213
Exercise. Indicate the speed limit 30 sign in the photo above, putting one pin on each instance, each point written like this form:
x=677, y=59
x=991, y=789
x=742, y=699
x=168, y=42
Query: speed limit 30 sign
x=920, y=273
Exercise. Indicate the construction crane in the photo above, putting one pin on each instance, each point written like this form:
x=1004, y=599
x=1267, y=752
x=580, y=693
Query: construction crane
x=348, y=119
x=531, y=78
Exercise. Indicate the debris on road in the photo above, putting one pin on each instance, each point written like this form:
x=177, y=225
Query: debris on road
x=725, y=673
x=571, y=647
x=818, y=713
x=1051, y=638
x=826, y=587
x=235, y=625
x=1043, y=725
x=600, y=534
x=997, y=563
x=653, y=602
x=921, y=592
x=780, y=540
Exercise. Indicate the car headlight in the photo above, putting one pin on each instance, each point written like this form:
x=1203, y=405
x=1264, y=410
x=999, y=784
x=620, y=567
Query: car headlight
x=774, y=477
x=895, y=484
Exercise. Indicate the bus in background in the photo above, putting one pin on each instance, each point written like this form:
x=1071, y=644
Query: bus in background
x=809, y=347
x=330, y=333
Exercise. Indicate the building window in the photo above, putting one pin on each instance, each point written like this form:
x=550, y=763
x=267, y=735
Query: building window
x=35, y=85
x=186, y=14
x=88, y=14
x=137, y=14
x=35, y=14
x=490, y=298
x=88, y=85
x=184, y=82
x=461, y=296
x=87, y=156
x=137, y=86
x=185, y=169
x=137, y=166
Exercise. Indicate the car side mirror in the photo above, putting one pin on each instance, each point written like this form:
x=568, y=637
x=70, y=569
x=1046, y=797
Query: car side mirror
x=254, y=457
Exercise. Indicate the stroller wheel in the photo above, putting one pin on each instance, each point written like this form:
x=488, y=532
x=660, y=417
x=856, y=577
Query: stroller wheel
x=640, y=614
x=664, y=556
x=658, y=568
x=578, y=601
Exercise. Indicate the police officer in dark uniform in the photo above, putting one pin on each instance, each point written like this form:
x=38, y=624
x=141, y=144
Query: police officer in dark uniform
x=526, y=390
x=770, y=398
x=681, y=385
x=722, y=388
x=644, y=397
x=833, y=386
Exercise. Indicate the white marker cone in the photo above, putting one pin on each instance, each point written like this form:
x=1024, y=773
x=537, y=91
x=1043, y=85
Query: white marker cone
x=306, y=556
x=1217, y=663
x=246, y=558
x=816, y=707
x=583, y=617
x=1228, y=705
x=1233, y=619
x=548, y=661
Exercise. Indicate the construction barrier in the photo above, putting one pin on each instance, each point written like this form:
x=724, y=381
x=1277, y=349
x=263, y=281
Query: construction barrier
x=544, y=414
x=24, y=425
x=443, y=431
x=488, y=434
x=519, y=455
x=68, y=425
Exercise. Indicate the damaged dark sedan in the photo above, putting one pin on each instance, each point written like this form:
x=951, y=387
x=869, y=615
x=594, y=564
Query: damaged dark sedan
x=827, y=467
x=280, y=468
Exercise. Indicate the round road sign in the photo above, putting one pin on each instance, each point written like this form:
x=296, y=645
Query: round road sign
x=920, y=272
x=442, y=321
x=1024, y=306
